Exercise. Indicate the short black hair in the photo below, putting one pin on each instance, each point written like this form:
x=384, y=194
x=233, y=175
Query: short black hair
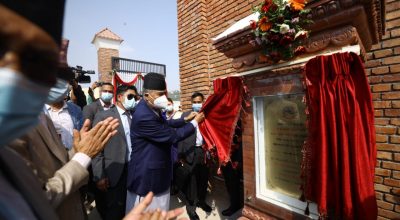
x=197, y=94
x=123, y=88
x=107, y=84
x=170, y=100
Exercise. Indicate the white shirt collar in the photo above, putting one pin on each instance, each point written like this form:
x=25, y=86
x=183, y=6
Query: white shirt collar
x=120, y=110
x=48, y=107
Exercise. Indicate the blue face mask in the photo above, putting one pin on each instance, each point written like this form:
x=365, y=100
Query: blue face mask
x=197, y=106
x=106, y=97
x=21, y=101
x=129, y=104
x=58, y=91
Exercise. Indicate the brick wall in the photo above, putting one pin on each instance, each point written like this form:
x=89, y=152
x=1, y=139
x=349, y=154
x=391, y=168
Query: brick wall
x=104, y=63
x=198, y=21
x=200, y=63
x=383, y=69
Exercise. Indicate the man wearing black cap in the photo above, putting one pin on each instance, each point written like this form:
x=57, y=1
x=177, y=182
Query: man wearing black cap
x=150, y=167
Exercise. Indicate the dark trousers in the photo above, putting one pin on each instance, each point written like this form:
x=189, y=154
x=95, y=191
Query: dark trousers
x=196, y=188
x=111, y=204
x=233, y=185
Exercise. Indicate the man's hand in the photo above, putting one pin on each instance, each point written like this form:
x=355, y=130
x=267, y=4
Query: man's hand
x=139, y=213
x=190, y=116
x=199, y=117
x=103, y=184
x=91, y=142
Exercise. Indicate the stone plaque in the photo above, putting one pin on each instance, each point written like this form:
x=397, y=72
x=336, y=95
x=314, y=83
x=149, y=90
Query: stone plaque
x=284, y=132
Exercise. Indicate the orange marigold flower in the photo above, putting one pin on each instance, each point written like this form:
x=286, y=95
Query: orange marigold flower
x=264, y=24
x=297, y=5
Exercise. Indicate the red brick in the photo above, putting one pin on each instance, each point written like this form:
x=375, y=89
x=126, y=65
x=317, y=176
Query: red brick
x=391, y=182
x=396, y=86
x=396, y=50
x=397, y=157
x=385, y=129
x=397, y=208
x=385, y=205
x=381, y=138
x=391, y=198
x=388, y=214
x=392, y=112
x=378, y=113
x=383, y=53
x=396, y=191
x=393, y=23
x=396, y=104
x=391, y=43
x=384, y=155
x=379, y=218
x=382, y=188
x=378, y=179
x=380, y=70
x=395, y=68
x=382, y=172
x=392, y=6
x=396, y=175
x=391, y=60
x=375, y=79
x=376, y=46
x=391, y=165
x=390, y=95
x=382, y=121
x=395, y=32
x=372, y=63
x=395, y=121
x=382, y=104
x=391, y=78
x=392, y=15
x=395, y=139
x=381, y=87
x=378, y=195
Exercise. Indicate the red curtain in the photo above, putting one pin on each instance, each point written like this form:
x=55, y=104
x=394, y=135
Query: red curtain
x=222, y=112
x=118, y=81
x=340, y=153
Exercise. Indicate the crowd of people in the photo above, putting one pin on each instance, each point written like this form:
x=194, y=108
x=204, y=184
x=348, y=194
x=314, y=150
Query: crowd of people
x=59, y=148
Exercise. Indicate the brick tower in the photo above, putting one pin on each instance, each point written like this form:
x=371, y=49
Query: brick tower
x=107, y=44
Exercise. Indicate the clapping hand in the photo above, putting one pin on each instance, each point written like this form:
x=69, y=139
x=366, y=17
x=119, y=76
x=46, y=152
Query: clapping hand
x=92, y=141
x=139, y=213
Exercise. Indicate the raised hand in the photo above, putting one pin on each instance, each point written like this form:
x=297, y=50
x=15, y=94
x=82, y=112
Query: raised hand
x=92, y=141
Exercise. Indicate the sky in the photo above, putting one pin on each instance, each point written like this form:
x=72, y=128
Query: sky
x=149, y=30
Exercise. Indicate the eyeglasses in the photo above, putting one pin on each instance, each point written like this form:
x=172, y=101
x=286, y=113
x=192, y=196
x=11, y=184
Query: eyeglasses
x=132, y=96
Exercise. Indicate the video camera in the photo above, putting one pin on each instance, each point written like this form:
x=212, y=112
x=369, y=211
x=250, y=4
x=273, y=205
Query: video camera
x=80, y=74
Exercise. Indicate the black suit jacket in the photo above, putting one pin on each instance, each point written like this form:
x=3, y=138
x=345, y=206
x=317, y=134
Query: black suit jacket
x=110, y=162
x=90, y=111
x=187, y=149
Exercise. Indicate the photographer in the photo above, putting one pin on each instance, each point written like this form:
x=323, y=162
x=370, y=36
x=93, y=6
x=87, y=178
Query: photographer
x=77, y=95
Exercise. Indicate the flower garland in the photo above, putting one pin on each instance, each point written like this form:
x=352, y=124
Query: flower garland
x=280, y=29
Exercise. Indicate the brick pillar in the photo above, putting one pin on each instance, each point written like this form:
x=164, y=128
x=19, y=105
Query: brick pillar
x=104, y=63
x=383, y=70
x=107, y=44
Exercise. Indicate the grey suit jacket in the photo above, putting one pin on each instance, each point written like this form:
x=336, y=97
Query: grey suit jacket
x=59, y=177
x=90, y=111
x=21, y=194
x=111, y=161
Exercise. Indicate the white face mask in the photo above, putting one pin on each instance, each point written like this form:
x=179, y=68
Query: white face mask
x=169, y=108
x=161, y=102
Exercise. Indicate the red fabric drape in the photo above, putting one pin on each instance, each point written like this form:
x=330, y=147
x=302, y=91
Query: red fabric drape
x=118, y=81
x=222, y=112
x=340, y=153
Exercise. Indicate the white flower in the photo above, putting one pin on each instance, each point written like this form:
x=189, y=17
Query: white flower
x=284, y=28
x=301, y=33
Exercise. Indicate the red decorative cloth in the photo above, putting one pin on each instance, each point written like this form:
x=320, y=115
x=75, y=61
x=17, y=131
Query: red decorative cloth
x=118, y=81
x=222, y=110
x=340, y=153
